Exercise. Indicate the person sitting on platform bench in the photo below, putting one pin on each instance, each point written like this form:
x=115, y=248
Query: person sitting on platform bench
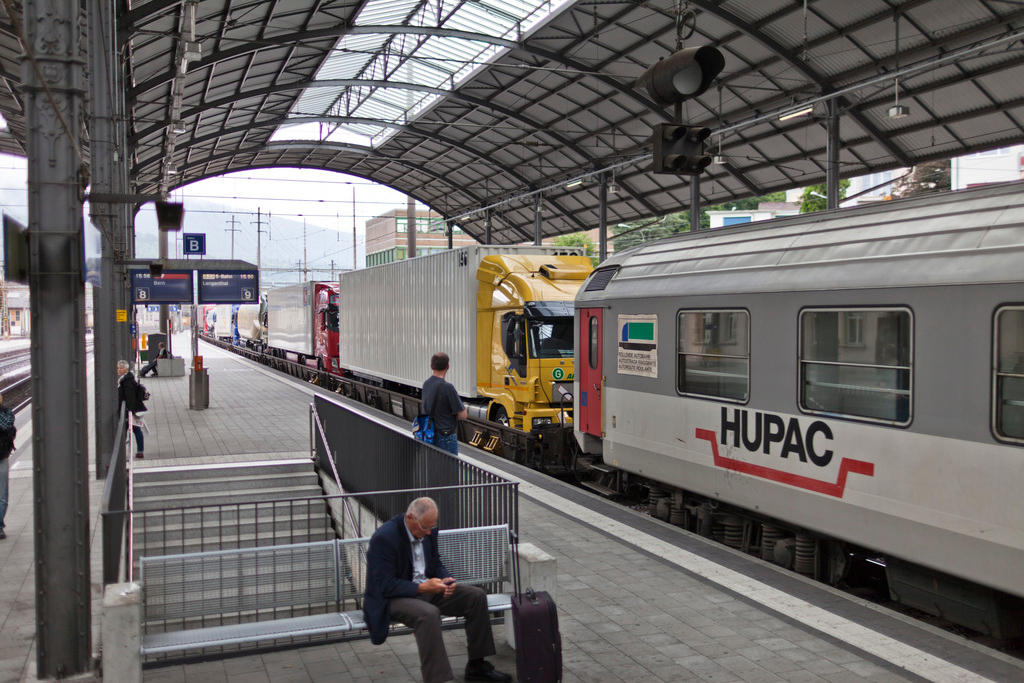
x=151, y=365
x=407, y=582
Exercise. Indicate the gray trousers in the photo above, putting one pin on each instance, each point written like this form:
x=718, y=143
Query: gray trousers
x=423, y=615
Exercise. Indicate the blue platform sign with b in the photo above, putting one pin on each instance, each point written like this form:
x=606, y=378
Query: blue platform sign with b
x=193, y=244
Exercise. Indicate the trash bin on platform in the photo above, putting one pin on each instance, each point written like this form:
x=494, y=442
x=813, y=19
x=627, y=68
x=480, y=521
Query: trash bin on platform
x=198, y=389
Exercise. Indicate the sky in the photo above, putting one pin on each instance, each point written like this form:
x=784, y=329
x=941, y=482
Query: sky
x=323, y=198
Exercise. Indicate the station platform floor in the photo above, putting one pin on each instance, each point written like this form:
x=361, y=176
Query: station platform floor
x=638, y=599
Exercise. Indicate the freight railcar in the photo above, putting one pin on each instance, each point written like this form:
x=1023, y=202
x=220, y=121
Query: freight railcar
x=847, y=380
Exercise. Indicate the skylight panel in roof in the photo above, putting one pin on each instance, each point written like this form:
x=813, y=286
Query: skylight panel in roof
x=386, y=12
x=432, y=60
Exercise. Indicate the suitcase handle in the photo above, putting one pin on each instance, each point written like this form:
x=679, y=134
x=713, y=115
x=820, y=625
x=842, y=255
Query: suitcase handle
x=531, y=595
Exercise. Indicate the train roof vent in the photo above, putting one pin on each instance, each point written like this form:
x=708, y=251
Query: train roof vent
x=600, y=279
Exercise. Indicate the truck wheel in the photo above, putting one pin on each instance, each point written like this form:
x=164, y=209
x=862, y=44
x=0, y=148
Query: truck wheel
x=500, y=415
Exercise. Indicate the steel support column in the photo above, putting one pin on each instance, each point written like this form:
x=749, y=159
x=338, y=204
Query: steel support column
x=694, y=203
x=536, y=218
x=832, y=156
x=602, y=234
x=106, y=128
x=410, y=228
x=54, y=96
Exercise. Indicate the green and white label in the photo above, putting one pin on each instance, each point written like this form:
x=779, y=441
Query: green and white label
x=638, y=345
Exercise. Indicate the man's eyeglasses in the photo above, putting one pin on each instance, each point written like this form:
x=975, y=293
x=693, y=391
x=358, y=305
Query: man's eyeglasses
x=424, y=529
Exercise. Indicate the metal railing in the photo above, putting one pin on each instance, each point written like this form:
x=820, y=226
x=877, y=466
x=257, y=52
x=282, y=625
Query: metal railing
x=220, y=526
x=379, y=470
x=371, y=455
x=114, y=505
x=318, y=441
x=203, y=528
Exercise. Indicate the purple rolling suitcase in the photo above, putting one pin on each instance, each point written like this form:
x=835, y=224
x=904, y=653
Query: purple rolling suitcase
x=538, y=641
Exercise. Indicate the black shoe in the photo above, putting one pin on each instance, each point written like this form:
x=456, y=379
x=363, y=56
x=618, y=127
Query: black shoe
x=485, y=671
x=2, y=535
x=156, y=374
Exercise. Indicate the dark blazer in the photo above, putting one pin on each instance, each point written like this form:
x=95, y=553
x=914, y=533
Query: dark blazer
x=389, y=572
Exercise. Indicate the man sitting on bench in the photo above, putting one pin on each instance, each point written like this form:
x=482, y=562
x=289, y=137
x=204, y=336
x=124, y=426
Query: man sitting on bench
x=406, y=581
x=151, y=365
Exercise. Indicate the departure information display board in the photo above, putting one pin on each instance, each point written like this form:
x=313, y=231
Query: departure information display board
x=173, y=287
x=229, y=287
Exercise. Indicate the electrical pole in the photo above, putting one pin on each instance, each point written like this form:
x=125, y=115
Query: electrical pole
x=233, y=230
x=305, y=270
x=259, y=231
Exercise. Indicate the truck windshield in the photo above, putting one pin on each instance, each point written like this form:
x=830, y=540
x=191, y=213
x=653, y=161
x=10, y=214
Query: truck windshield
x=550, y=337
x=332, y=318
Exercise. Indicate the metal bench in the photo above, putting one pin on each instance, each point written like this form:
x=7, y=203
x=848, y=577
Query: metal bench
x=251, y=595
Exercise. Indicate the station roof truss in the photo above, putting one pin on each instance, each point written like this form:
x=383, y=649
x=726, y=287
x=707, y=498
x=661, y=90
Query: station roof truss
x=479, y=107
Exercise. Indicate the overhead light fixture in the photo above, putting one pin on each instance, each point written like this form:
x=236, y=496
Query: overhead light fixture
x=613, y=187
x=897, y=110
x=717, y=160
x=178, y=126
x=574, y=183
x=795, y=113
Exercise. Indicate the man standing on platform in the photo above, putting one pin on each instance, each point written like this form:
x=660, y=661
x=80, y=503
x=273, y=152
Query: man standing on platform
x=7, y=433
x=442, y=403
x=406, y=581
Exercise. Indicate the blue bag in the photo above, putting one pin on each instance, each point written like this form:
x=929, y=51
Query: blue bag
x=423, y=428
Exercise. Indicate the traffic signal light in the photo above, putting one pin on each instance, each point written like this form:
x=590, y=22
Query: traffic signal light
x=682, y=75
x=680, y=149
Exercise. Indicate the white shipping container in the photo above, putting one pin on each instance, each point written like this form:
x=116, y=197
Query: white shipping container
x=248, y=320
x=222, y=324
x=394, y=317
x=290, y=318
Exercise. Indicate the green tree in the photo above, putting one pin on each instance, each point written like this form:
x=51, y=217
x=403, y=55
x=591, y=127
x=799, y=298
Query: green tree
x=626, y=235
x=639, y=232
x=814, y=197
x=578, y=239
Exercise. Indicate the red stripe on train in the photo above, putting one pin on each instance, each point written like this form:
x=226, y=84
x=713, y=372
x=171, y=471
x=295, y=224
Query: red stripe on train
x=846, y=467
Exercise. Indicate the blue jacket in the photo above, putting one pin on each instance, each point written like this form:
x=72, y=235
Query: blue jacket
x=389, y=573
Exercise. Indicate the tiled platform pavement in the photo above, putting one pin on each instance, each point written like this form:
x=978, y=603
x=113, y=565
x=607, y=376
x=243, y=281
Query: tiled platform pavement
x=629, y=612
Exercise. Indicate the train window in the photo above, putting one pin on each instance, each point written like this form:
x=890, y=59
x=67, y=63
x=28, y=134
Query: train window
x=593, y=351
x=714, y=354
x=1009, y=371
x=856, y=363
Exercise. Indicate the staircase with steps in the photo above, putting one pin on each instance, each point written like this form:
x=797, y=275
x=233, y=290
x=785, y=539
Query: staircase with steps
x=244, y=504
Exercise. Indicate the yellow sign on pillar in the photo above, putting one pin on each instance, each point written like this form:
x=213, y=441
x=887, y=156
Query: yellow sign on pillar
x=122, y=315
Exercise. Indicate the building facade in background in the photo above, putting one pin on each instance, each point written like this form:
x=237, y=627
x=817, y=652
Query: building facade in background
x=764, y=211
x=387, y=237
x=984, y=168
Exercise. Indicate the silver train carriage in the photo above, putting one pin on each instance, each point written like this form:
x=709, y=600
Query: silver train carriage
x=856, y=374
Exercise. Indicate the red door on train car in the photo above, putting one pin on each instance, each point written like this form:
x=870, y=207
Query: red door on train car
x=590, y=371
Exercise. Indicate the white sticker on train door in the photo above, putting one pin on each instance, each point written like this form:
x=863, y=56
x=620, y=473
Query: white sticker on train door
x=637, y=345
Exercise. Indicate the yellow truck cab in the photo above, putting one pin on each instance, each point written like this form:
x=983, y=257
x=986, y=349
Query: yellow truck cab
x=503, y=314
x=525, y=336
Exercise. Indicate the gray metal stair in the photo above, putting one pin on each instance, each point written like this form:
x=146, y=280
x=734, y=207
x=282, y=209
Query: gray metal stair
x=244, y=504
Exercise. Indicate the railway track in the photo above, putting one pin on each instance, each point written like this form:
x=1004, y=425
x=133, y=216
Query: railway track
x=16, y=376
